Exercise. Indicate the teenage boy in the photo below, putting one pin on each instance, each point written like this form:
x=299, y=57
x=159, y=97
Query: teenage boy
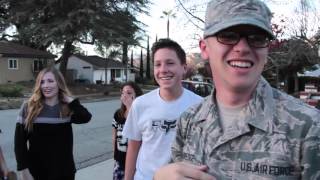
x=151, y=123
x=245, y=129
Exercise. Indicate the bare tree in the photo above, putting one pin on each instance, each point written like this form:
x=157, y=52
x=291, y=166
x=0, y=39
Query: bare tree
x=298, y=34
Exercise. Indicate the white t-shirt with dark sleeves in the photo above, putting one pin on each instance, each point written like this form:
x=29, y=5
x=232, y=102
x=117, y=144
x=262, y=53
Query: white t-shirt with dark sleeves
x=153, y=121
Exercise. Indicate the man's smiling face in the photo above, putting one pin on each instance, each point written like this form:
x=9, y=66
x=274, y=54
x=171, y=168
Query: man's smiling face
x=236, y=67
x=168, y=70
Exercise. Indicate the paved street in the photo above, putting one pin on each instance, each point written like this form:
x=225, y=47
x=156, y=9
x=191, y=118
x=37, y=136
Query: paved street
x=92, y=141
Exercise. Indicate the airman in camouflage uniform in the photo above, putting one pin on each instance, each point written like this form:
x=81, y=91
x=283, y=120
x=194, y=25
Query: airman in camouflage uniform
x=245, y=129
x=280, y=139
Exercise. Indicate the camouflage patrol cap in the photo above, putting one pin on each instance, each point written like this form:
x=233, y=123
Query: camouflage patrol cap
x=222, y=14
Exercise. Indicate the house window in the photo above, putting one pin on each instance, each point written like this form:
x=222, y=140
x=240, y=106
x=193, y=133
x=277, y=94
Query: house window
x=38, y=65
x=115, y=73
x=86, y=67
x=118, y=73
x=12, y=64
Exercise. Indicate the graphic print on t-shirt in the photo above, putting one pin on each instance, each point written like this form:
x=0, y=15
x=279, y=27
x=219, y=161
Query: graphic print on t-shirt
x=164, y=125
x=122, y=142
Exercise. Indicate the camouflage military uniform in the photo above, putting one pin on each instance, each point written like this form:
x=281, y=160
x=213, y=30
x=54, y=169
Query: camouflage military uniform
x=277, y=138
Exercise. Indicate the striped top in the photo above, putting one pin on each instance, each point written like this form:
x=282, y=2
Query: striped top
x=48, y=148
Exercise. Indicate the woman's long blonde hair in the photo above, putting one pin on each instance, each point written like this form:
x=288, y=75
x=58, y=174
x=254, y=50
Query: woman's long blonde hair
x=35, y=102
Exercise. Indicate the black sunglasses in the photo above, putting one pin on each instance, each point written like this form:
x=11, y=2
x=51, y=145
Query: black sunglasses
x=233, y=38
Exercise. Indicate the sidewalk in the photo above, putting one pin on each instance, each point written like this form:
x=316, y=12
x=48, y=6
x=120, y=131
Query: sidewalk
x=99, y=171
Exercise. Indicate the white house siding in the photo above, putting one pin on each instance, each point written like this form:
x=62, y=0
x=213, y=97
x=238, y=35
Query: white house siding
x=99, y=75
x=131, y=76
x=82, y=72
x=108, y=76
x=122, y=77
x=94, y=74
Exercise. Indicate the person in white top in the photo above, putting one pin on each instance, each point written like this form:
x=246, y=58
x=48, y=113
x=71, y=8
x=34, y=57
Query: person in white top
x=150, y=125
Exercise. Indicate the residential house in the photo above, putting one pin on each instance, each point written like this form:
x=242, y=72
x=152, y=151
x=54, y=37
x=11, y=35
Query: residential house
x=310, y=78
x=95, y=70
x=21, y=63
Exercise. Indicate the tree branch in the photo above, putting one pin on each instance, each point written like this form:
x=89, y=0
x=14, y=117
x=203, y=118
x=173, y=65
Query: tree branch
x=196, y=17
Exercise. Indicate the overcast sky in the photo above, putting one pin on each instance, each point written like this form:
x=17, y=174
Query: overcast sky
x=187, y=34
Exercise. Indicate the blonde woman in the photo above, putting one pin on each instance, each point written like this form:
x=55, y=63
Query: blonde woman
x=43, y=136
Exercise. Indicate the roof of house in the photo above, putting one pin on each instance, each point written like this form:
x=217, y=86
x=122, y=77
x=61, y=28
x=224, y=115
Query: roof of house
x=10, y=49
x=100, y=62
x=315, y=73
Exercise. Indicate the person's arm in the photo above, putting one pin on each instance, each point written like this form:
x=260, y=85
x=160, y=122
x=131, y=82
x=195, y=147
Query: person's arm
x=131, y=159
x=114, y=140
x=3, y=164
x=310, y=156
x=20, y=147
x=21, y=139
x=114, y=131
x=79, y=113
x=179, y=141
x=182, y=170
x=179, y=169
x=21, y=152
x=25, y=175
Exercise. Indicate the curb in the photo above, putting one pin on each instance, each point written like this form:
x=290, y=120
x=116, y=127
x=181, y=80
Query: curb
x=94, y=160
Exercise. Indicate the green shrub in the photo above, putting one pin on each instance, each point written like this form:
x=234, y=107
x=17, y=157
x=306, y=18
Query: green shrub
x=11, y=90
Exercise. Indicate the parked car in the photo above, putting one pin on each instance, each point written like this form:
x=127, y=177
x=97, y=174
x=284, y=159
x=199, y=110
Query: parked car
x=311, y=98
x=197, y=77
x=201, y=88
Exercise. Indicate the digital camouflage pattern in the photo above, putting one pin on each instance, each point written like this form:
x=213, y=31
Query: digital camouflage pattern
x=221, y=14
x=276, y=137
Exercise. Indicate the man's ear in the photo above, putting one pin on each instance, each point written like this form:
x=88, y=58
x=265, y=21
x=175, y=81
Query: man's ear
x=266, y=60
x=203, y=49
x=184, y=70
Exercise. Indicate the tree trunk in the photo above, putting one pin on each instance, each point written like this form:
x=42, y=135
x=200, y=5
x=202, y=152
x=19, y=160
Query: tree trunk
x=124, y=52
x=277, y=78
x=125, y=58
x=141, y=65
x=286, y=83
x=131, y=64
x=296, y=83
x=66, y=53
x=105, y=71
x=148, y=74
x=168, y=28
x=290, y=83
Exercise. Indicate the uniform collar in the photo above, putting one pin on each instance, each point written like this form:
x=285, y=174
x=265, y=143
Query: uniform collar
x=209, y=108
x=261, y=107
